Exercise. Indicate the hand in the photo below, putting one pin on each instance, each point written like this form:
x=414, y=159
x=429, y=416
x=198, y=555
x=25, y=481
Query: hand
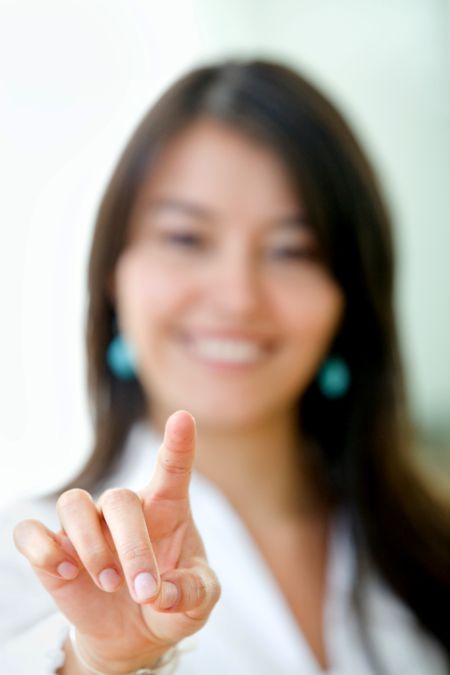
x=148, y=541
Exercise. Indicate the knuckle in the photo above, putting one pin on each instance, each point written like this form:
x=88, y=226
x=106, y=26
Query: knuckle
x=201, y=592
x=94, y=556
x=134, y=552
x=216, y=592
x=43, y=556
x=71, y=498
x=24, y=526
x=170, y=465
x=208, y=588
x=36, y=547
x=114, y=498
x=21, y=533
x=195, y=591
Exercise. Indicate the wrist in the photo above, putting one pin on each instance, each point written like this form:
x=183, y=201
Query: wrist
x=160, y=661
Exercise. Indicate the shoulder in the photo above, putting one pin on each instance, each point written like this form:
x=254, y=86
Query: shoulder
x=398, y=638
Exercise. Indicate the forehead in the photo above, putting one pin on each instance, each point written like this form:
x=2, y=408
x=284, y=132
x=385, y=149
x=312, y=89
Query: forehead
x=221, y=168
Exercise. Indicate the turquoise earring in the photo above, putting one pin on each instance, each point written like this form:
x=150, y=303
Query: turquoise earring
x=334, y=377
x=121, y=358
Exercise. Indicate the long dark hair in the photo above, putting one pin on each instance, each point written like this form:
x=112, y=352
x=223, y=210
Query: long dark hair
x=362, y=442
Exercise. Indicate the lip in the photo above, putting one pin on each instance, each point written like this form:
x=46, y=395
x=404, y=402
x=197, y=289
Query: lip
x=189, y=337
x=263, y=340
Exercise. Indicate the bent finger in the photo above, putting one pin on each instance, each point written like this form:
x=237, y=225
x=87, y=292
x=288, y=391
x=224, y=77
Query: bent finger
x=194, y=591
x=44, y=551
x=122, y=511
x=81, y=521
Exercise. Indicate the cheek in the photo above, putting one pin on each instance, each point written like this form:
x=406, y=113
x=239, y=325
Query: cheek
x=148, y=294
x=159, y=292
x=312, y=312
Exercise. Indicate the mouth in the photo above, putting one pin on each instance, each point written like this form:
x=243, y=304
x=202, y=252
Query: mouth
x=227, y=352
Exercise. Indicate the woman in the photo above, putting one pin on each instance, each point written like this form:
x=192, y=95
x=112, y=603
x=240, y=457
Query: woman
x=242, y=270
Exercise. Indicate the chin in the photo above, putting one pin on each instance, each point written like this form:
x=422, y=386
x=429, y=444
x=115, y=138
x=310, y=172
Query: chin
x=226, y=415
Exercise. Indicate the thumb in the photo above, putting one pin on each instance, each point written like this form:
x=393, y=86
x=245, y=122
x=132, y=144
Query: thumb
x=194, y=590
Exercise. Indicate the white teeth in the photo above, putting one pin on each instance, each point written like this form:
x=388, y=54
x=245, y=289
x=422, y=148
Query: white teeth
x=238, y=351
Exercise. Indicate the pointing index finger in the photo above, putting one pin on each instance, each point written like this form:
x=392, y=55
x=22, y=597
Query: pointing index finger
x=175, y=458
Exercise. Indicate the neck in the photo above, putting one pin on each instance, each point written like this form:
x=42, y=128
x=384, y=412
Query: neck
x=261, y=468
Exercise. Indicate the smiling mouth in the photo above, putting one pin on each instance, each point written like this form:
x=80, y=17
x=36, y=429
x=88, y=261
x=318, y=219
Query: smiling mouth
x=226, y=351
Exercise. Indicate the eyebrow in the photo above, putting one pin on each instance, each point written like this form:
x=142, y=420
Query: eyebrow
x=197, y=211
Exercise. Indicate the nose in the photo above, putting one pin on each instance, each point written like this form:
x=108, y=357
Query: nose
x=234, y=285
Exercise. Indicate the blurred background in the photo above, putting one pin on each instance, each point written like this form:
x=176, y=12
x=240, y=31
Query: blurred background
x=76, y=76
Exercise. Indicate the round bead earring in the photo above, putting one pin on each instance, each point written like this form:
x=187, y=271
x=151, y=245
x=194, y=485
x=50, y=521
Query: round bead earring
x=121, y=356
x=334, y=377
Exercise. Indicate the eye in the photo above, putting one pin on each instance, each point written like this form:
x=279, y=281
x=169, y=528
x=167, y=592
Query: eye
x=182, y=239
x=294, y=253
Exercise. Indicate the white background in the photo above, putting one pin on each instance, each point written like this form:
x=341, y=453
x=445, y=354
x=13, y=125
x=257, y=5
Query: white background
x=76, y=76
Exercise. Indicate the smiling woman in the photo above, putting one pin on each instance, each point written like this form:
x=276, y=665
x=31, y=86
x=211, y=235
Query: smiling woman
x=242, y=254
x=219, y=276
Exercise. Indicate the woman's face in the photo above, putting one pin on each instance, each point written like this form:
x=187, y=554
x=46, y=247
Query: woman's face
x=221, y=289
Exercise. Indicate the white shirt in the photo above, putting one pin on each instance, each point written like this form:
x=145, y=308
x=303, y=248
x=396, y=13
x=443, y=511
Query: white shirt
x=251, y=631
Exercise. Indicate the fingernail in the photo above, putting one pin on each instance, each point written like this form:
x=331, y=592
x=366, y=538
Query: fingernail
x=145, y=586
x=169, y=595
x=67, y=570
x=109, y=579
